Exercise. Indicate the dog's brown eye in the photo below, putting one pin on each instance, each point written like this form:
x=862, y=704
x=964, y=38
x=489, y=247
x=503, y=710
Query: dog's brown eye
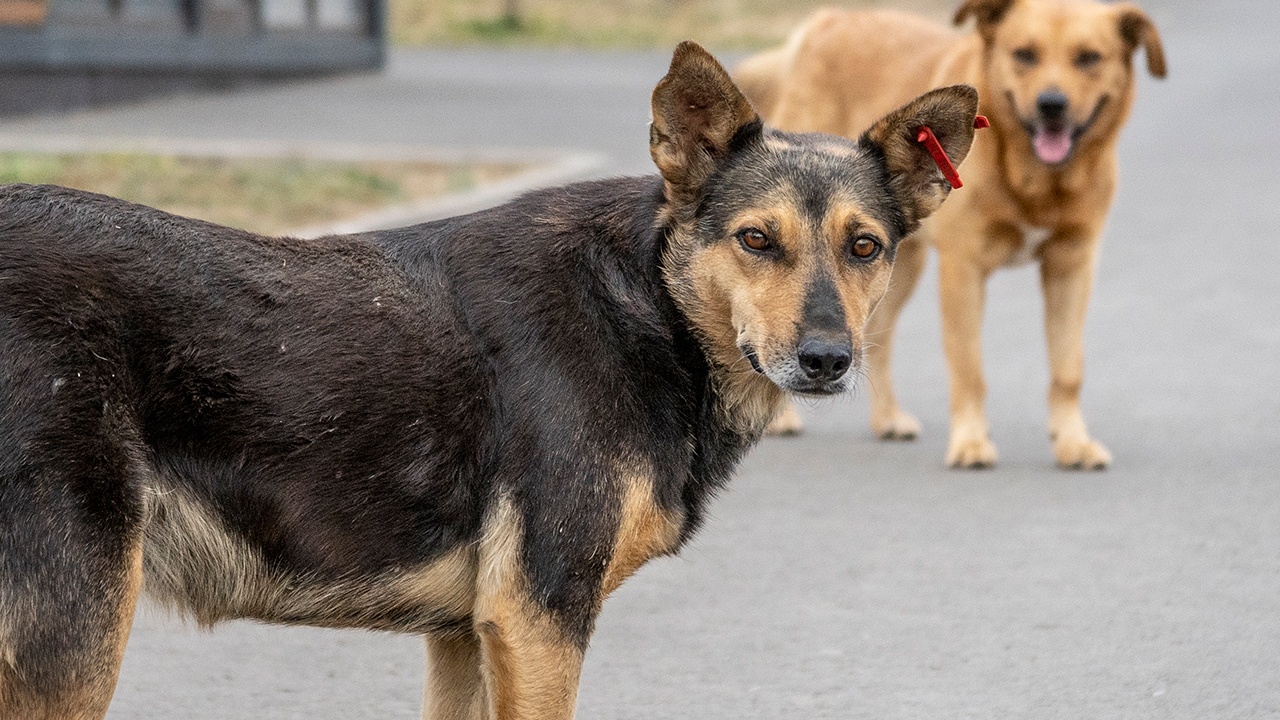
x=865, y=248
x=1026, y=56
x=755, y=240
x=1086, y=59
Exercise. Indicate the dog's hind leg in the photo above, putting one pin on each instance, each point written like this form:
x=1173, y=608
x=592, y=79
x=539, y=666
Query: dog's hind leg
x=67, y=594
x=888, y=420
x=71, y=521
x=455, y=686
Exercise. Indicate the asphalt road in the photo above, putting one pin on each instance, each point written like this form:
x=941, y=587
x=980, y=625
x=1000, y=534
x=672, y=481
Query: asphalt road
x=843, y=578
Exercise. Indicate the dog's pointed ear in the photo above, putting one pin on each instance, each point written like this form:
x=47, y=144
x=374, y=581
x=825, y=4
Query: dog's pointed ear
x=699, y=117
x=987, y=13
x=1137, y=30
x=917, y=183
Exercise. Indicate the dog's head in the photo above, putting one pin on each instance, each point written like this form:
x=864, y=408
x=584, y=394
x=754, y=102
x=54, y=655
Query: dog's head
x=1062, y=69
x=781, y=244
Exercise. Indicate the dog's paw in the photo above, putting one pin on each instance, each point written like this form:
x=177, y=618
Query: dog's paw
x=786, y=423
x=898, y=425
x=971, y=453
x=1081, y=454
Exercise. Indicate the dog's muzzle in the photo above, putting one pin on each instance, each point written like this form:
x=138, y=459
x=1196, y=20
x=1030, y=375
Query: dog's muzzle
x=818, y=367
x=1053, y=135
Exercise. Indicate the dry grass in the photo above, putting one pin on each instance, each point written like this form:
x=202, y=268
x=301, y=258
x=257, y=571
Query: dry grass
x=719, y=24
x=263, y=195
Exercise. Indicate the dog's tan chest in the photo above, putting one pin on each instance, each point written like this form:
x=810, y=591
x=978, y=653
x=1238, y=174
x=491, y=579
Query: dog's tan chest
x=1032, y=238
x=645, y=530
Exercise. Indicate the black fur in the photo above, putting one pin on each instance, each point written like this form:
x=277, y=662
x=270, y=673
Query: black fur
x=350, y=406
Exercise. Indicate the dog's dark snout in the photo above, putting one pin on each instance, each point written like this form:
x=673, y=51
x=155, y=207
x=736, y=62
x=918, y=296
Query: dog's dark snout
x=824, y=360
x=1052, y=104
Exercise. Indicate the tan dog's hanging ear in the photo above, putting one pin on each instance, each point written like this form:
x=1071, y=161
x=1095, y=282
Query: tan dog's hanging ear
x=1138, y=30
x=699, y=117
x=917, y=183
x=988, y=14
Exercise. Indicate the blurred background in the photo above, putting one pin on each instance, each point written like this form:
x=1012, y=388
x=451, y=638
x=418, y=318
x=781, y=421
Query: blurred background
x=63, y=57
x=838, y=577
x=718, y=24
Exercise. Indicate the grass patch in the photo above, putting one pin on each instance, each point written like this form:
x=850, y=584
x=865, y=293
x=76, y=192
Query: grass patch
x=720, y=24
x=266, y=195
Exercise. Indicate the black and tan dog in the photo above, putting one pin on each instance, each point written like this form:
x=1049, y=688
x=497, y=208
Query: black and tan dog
x=474, y=429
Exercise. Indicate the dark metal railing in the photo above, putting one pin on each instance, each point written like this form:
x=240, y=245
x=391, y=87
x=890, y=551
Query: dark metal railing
x=204, y=36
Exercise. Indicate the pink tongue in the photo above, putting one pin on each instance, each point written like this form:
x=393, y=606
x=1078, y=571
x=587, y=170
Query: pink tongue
x=1052, y=146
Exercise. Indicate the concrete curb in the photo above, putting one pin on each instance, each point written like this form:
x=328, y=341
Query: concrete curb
x=548, y=167
x=568, y=168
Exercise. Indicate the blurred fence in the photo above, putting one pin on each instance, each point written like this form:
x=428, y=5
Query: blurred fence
x=216, y=35
x=62, y=53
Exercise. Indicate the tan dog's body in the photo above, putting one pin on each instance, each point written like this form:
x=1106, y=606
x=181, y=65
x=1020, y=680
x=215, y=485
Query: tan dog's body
x=843, y=68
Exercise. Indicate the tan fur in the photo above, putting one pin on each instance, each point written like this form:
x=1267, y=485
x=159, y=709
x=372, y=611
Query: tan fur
x=730, y=298
x=454, y=688
x=842, y=69
x=750, y=399
x=516, y=663
x=530, y=669
x=818, y=96
x=192, y=563
x=644, y=531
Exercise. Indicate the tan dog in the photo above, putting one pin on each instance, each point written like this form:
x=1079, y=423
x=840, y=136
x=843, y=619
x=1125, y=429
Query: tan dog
x=1056, y=80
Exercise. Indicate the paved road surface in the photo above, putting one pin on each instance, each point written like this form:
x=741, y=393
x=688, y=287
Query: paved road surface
x=842, y=578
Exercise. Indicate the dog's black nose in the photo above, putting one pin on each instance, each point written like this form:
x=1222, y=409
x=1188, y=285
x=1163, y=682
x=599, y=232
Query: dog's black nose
x=824, y=360
x=1052, y=104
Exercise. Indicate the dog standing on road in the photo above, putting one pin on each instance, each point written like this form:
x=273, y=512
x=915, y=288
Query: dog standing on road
x=1056, y=80
x=473, y=429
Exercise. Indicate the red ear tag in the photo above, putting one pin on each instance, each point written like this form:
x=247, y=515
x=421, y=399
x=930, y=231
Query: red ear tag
x=925, y=135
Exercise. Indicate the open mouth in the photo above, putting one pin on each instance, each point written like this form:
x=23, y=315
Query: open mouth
x=1054, y=142
x=1053, y=145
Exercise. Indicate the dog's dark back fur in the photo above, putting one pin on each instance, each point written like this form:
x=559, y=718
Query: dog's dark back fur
x=280, y=378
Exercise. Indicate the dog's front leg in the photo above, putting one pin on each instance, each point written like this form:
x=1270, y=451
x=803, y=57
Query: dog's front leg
x=531, y=670
x=963, y=294
x=1066, y=277
x=530, y=663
